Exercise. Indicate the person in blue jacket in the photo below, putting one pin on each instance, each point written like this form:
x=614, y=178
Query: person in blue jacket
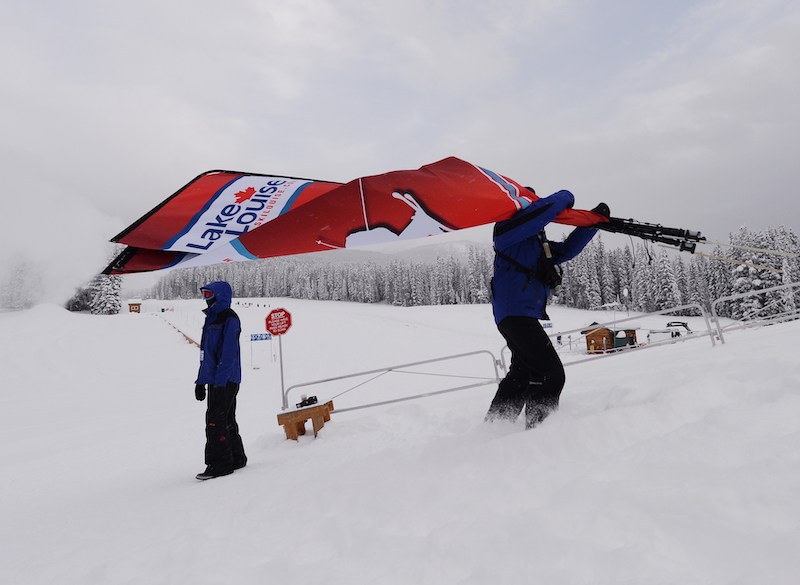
x=526, y=268
x=221, y=372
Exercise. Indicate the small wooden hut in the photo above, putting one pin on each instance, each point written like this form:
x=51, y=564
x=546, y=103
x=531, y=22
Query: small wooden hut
x=603, y=339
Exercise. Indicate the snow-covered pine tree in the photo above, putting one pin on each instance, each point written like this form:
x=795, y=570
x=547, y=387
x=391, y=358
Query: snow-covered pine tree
x=608, y=294
x=697, y=283
x=681, y=279
x=642, y=279
x=588, y=282
x=105, y=290
x=80, y=300
x=719, y=278
x=752, y=273
x=785, y=240
x=20, y=286
x=476, y=276
x=453, y=294
x=774, y=301
x=438, y=282
x=666, y=294
x=622, y=267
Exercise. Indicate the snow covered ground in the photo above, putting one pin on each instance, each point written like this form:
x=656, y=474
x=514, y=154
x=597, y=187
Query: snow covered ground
x=677, y=464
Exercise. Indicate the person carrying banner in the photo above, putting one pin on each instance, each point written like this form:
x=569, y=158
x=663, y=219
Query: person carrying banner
x=219, y=376
x=526, y=268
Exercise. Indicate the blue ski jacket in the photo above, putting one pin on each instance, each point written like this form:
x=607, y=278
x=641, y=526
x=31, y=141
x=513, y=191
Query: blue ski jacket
x=220, y=359
x=523, y=294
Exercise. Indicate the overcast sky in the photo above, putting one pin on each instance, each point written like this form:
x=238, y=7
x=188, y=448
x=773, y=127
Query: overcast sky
x=681, y=113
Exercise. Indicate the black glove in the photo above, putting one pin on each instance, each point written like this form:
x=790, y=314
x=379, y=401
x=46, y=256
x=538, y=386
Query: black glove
x=602, y=209
x=200, y=391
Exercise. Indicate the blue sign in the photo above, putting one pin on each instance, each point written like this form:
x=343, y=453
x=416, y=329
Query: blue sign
x=260, y=336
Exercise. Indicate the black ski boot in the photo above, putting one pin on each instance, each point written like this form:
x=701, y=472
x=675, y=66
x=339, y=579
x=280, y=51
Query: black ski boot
x=212, y=472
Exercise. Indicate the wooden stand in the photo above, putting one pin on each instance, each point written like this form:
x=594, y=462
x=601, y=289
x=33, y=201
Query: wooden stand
x=294, y=421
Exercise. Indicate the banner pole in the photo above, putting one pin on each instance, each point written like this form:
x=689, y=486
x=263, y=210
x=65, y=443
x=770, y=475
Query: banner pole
x=280, y=354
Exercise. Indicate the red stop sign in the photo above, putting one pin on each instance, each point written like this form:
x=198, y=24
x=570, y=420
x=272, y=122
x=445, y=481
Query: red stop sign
x=279, y=321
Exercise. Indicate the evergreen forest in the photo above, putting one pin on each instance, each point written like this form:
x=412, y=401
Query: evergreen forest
x=637, y=277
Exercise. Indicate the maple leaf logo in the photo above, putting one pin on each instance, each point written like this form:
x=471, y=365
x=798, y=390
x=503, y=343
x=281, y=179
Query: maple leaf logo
x=244, y=195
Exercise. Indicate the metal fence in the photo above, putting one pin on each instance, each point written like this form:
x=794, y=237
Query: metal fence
x=492, y=378
x=758, y=317
x=709, y=332
x=494, y=366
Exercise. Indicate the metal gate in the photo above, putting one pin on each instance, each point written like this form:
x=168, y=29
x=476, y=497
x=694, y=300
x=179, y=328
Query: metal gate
x=493, y=378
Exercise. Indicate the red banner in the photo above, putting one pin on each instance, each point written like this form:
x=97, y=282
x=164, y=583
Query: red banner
x=223, y=216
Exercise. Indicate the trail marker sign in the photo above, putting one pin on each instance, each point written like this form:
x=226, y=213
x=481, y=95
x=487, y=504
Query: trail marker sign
x=279, y=321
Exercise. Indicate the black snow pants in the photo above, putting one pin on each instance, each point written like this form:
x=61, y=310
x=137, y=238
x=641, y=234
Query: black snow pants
x=535, y=378
x=224, y=449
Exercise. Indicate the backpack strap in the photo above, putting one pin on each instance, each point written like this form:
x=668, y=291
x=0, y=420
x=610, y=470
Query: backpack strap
x=547, y=270
x=530, y=272
x=224, y=315
x=503, y=227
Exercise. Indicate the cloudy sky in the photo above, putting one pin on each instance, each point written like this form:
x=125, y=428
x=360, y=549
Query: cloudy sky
x=681, y=113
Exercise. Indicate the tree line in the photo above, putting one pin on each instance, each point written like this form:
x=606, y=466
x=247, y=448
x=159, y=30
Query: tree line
x=447, y=280
x=639, y=277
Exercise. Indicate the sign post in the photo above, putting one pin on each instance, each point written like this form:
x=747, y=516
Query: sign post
x=278, y=323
